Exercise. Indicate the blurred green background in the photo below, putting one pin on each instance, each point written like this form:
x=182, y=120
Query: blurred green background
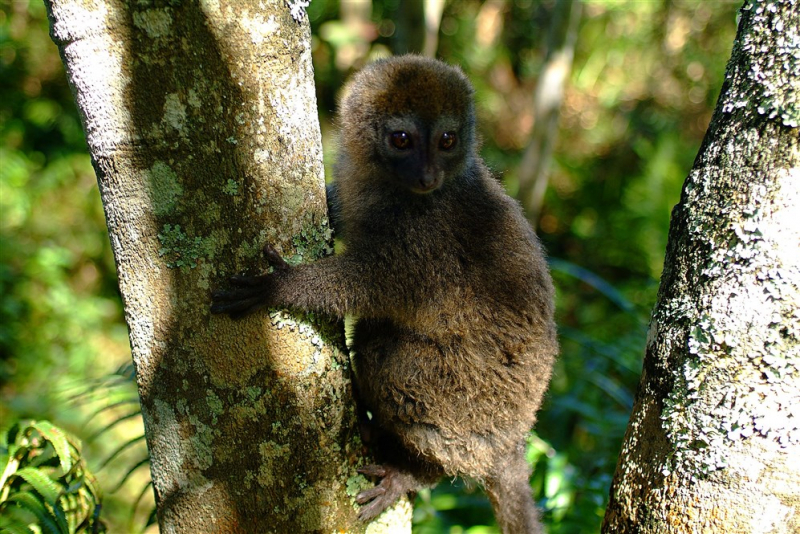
x=645, y=78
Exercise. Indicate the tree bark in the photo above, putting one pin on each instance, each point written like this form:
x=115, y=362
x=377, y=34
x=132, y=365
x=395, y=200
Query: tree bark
x=713, y=444
x=202, y=126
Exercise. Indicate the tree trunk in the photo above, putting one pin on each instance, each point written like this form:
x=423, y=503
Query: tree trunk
x=714, y=440
x=433, y=10
x=202, y=126
x=534, y=169
x=409, y=34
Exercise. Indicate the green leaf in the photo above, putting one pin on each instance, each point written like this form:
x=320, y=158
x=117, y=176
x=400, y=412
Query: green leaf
x=44, y=485
x=92, y=489
x=152, y=519
x=43, y=455
x=30, y=502
x=61, y=517
x=119, y=450
x=15, y=520
x=15, y=527
x=8, y=466
x=125, y=401
x=56, y=436
x=114, y=423
x=588, y=277
x=13, y=433
x=147, y=487
x=140, y=463
x=91, y=522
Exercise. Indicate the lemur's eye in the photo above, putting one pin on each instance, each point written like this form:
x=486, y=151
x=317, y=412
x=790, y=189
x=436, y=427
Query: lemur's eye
x=447, y=141
x=400, y=140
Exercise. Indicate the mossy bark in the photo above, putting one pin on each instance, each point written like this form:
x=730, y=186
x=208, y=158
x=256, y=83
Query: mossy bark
x=202, y=125
x=713, y=444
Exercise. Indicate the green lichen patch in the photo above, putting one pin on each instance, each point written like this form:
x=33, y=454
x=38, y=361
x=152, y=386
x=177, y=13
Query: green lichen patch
x=272, y=456
x=253, y=392
x=203, y=443
x=356, y=484
x=155, y=22
x=175, y=116
x=248, y=251
x=231, y=188
x=215, y=405
x=312, y=243
x=164, y=188
x=181, y=250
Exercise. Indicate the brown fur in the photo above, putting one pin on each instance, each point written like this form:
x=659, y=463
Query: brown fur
x=455, y=339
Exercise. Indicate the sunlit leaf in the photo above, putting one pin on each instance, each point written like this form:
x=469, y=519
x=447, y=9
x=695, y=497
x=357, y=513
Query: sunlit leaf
x=14, y=527
x=114, y=423
x=119, y=450
x=45, y=518
x=129, y=472
x=42, y=484
x=59, y=441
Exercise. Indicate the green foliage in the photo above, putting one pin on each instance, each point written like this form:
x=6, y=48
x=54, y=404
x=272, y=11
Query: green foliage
x=44, y=485
x=59, y=306
x=112, y=402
